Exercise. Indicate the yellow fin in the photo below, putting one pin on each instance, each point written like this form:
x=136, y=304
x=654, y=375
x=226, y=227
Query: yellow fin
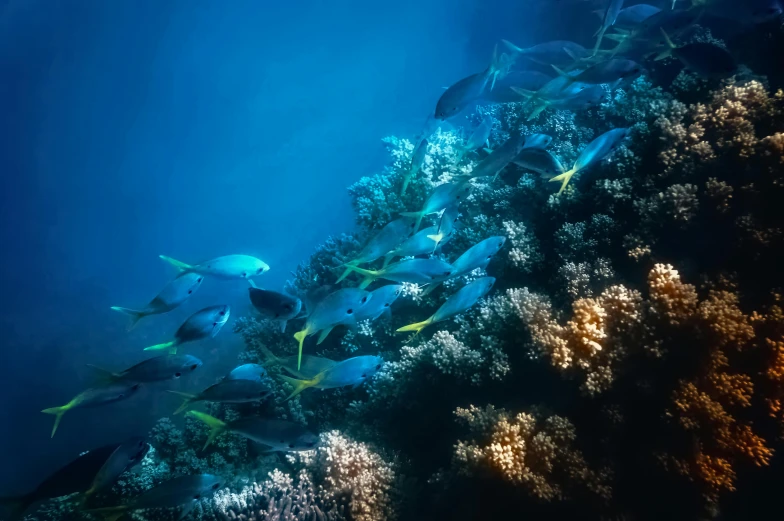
x=418, y=326
x=301, y=385
x=216, y=426
x=300, y=337
x=565, y=178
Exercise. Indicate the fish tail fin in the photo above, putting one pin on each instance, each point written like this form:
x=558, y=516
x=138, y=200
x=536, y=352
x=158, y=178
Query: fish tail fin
x=437, y=238
x=300, y=337
x=58, y=413
x=110, y=513
x=417, y=215
x=216, y=426
x=103, y=376
x=15, y=507
x=430, y=288
x=370, y=275
x=571, y=55
x=523, y=92
x=666, y=53
x=512, y=47
x=564, y=178
x=171, y=346
x=348, y=270
x=406, y=180
x=417, y=326
x=135, y=315
x=324, y=334
x=300, y=385
x=387, y=259
x=269, y=355
x=177, y=264
x=189, y=399
x=538, y=109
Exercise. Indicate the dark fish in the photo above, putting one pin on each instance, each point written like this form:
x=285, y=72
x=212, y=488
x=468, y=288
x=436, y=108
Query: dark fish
x=631, y=17
x=380, y=303
x=560, y=53
x=278, y=435
x=228, y=391
x=608, y=20
x=175, y=293
x=608, y=71
x=537, y=141
x=526, y=80
x=79, y=475
x=540, y=161
x=442, y=196
x=205, y=323
x=157, y=369
x=493, y=164
x=418, y=271
x=184, y=491
x=126, y=456
x=417, y=160
x=596, y=150
x=274, y=305
x=460, y=95
x=706, y=59
x=113, y=392
x=421, y=243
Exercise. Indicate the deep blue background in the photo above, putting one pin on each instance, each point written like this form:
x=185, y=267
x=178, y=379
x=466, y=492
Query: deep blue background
x=196, y=128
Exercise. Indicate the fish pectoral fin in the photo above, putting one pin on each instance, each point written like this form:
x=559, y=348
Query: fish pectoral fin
x=324, y=334
x=177, y=264
x=186, y=509
x=283, y=325
x=189, y=399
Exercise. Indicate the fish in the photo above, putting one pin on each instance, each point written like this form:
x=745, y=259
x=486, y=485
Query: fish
x=278, y=435
x=608, y=71
x=417, y=160
x=479, y=136
x=418, y=271
x=274, y=305
x=254, y=372
x=353, y=371
x=478, y=255
x=493, y=164
x=706, y=59
x=499, y=67
x=156, y=369
x=205, y=323
x=79, y=475
x=537, y=141
x=380, y=303
x=558, y=88
x=183, y=491
x=335, y=309
x=744, y=12
x=227, y=391
x=596, y=150
x=226, y=267
x=464, y=299
x=610, y=14
x=127, y=455
x=94, y=397
x=443, y=195
x=631, y=17
x=459, y=96
x=310, y=366
x=171, y=296
x=560, y=53
x=540, y=161
x=589, y=96
x=446, y=225
x=390, y=236
x=503, y=93
x=421, y=243
x=648, y=32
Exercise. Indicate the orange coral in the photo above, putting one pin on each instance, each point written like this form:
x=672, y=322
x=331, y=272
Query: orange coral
x=670, y=298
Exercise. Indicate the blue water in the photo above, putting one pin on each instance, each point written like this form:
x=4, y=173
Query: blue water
x=194, y=129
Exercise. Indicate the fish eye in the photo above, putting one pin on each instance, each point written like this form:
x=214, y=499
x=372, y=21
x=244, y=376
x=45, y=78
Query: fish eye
x=190, y=291
x=291, y=445
x=197, y=496
x=222, y=313
x=177, y=375
x=194, y=366
x=244, y=275
x=363, y=376
x=489, y=257
x=216, y=486
x=141, y=444
x=447, y=273
x=310, y=443
x=259, y=270
x=386, y=304
x=349, y=311
x=364, y=299
x=121, y=395
x=378, y=367
x=198, y=280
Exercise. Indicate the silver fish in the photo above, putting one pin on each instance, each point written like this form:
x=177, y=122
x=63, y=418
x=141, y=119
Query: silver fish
x=278, y=435
x=540, y=161
x=204, y=323
x=171, y=296
x=274, y=305
x=228, y=391
x=113, y=392
x=464, y=299
x=226, y=267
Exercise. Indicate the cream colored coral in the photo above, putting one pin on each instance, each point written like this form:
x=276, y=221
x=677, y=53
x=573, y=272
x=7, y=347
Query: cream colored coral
x=670, y=298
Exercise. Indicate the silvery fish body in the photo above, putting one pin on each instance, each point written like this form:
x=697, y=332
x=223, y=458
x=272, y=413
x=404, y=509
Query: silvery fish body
x=460, y=95
x=203, y=324
x=419, y=271
x=385, y=240
x=589, y=96
x=235, y=391
x=526, y=80
x=478, y=255
x=382, y=300
x=311, y=365
x=537, y=141
x=226, y=267
x=337, y=308
x=480, y=135
x=171, y=296
x=417, y=244
x=464, y=299
x=608, y=71
x=600, y=148
x=98, y=396
x=559, y=52
x=353, y=371
x=161, y=368
x=446, y=194
x=253, y=372
x=279, y=435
